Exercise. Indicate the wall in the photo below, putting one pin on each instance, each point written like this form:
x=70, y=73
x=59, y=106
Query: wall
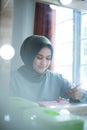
x=6, y=16
x=23, y=23
x=16, y=23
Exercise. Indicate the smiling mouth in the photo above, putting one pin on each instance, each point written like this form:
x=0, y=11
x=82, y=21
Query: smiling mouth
x=42, y=67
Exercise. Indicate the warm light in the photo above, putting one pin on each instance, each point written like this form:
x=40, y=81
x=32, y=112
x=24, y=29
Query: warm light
x=65, y=2
x=7, y=52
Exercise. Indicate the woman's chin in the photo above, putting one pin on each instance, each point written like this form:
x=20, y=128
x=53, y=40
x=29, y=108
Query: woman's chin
x=41, y=71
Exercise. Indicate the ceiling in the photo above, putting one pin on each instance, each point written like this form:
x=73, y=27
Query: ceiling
x=76, y=4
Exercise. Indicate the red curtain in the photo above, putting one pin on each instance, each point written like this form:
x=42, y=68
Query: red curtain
x=44, y=23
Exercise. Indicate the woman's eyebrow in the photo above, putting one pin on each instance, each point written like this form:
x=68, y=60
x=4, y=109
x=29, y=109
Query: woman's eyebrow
x=39, y=55
x=42, y=55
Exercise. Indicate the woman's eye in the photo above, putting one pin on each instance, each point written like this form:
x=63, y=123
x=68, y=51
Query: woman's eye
x=49, y=58
x=39, y=57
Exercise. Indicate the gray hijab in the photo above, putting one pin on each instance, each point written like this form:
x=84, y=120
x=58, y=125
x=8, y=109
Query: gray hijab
x=29, y=49
x=31, y=46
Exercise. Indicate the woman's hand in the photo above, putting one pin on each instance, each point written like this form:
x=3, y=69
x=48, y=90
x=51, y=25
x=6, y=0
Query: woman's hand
x=75, y=93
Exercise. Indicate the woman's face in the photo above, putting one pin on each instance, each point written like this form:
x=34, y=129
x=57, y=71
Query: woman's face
x=42, y=60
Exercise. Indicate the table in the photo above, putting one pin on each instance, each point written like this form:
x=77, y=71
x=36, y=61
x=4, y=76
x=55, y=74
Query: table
x=77, y=109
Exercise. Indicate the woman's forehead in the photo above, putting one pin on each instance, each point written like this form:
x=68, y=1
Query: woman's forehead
x=45, y=50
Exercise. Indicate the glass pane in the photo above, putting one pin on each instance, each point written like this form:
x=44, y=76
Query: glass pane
x=63, y=54
x=64, y=31
x=84, y=26
x=84, y=50
x=64, y=42
x=63, y=14
x=63, y=60
x=84, y=76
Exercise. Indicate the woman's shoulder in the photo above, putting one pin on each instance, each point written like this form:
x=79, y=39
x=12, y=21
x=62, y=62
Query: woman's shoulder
x=57, y=76
x=52, y=73
x=14, y=73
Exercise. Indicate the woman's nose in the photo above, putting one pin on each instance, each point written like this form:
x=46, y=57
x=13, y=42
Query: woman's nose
x=43, y=61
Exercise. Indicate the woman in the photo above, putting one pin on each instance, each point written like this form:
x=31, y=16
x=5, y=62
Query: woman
x=35, y=81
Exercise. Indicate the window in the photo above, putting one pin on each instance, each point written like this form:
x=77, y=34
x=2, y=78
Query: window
x=64, y=39
x=83, y=69
x=70, y=55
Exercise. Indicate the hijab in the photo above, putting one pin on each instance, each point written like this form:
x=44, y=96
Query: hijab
x=29, y=49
